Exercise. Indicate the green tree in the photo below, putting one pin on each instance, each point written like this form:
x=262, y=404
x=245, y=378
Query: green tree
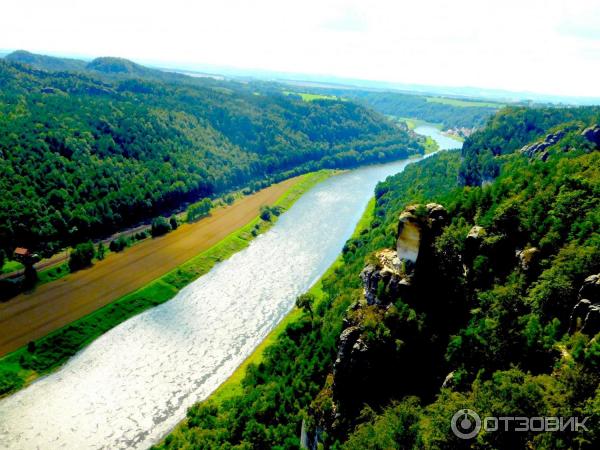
x=173, y=222
x=199, y=209
x=159, y=226
x=265, y=213
x=101, y=251
x=118, y=244
x=306, y=302
x=81, y=256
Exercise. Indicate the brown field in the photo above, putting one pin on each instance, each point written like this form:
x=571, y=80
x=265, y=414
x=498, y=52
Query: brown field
x=54, y=305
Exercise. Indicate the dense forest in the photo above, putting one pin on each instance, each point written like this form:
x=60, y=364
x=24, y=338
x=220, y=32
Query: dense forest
x=499, y=313
x=90, y=148
x=448, y=113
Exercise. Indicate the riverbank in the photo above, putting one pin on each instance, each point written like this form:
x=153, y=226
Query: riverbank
x=223, y=237
x=233, y=385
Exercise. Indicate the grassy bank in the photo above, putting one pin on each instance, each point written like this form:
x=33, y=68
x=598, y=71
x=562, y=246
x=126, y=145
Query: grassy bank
x=24, y=365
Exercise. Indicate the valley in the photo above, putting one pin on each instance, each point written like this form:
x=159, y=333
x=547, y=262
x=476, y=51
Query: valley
x=206, y=331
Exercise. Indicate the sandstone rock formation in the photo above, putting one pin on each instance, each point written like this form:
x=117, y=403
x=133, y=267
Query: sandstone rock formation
x=390, y=272
x=387, y=273
x=412, y=223
x=586, y=313
x=592, y=134
x=538, y=149
x=528, y=258
x=473, y=241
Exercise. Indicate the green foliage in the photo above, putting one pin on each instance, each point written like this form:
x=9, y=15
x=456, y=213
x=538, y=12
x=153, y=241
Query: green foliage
x=85, y=154
x=306, y=302
x=118, y=244
x=448, y=112
x=159, y=226
x=498, y=327
x=101, y=251
x=199, y=209
x=81, y=256
x=508, y=131
x=9, y=380
x=396, y=428
x=173, y=222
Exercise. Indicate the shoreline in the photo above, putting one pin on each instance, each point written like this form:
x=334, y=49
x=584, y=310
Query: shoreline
x=232, y=385
x=24, y=365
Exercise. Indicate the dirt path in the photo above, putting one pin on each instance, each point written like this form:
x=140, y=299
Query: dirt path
x=53, y=305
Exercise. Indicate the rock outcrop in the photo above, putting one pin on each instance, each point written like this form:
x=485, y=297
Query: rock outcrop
x=390, y=272
x=384, y=278
x=473, y=241
x=592, y=134
x=389, y=275
x=539, y=149
x=528, y=258
x=585, y=316
x=413, y=222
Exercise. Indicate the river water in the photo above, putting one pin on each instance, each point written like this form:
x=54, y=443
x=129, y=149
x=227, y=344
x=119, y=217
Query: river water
x=443, y=141
x=133, y=384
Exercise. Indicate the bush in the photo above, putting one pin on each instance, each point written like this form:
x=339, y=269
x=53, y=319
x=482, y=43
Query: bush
x=159, y=227
x=118, y=244
x=101, y=252
x=82, y=256
x=199, y=209
x=173, y=222
x=265, y=213
x=9, y=381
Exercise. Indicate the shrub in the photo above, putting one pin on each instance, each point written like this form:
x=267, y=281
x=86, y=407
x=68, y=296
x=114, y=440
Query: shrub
x=199, y=209
x=159, y=227
x=82, y=256
x=118, y=244
x=173, y=222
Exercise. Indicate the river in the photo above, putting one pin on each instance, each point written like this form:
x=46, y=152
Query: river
x=133, y=384
x=444, y=142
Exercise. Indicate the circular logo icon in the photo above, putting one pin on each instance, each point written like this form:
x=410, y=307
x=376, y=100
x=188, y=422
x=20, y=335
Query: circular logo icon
x=466, y=424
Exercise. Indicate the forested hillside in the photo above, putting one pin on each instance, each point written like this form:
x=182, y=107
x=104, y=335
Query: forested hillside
x=87, y=151
x=498, y=312
x=448, y=113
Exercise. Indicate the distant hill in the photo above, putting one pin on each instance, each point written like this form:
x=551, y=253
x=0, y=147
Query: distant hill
x=446, y=111
x=45, y=62
x=111, y=65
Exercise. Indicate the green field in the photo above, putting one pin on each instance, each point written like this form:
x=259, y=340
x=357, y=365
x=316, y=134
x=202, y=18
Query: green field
x=310, y=97
x=413, y=123
x=24, y=365
x=11, y=266
x=464, y=103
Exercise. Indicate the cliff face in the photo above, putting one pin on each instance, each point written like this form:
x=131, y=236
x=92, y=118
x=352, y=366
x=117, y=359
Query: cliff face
x=586, y=313
x=381, y=331
x=389, y=275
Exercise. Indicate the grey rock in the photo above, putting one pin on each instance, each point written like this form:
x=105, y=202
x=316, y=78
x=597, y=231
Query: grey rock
x=586, y=313
x=590, y=288
x=592, y=134
x=538, y=149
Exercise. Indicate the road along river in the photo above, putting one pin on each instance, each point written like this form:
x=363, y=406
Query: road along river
x=134, y=383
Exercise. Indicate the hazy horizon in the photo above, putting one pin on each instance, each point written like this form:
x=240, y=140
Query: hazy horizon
x=548, y=48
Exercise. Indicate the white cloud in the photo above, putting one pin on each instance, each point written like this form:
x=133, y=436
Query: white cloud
x=550, y=46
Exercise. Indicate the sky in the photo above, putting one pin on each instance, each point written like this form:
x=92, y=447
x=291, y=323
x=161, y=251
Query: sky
x=550, y=46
